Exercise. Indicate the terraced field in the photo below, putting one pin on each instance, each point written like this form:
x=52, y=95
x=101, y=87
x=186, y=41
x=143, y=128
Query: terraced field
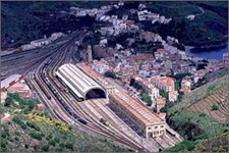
x=218, y=98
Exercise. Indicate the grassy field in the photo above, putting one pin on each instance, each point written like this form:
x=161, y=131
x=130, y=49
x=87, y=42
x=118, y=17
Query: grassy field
x=37, y=132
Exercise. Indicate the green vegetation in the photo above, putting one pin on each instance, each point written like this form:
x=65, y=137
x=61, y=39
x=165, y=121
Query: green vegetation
x=40, y=133
x=26, y=21
x=214, y=107
x=110, y=74
x=184, y=145
x=177, y=86
x=146, y=98
x=207, y=29
x=20, y=122
x=218, y=143
x=211, y=88
x=164, y=94
x=36, y=135
x=15, y=101
x=135, y=84
x=8, y=102
x=195, y=128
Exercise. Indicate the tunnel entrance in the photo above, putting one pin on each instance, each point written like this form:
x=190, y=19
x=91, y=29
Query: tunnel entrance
x=95, y=93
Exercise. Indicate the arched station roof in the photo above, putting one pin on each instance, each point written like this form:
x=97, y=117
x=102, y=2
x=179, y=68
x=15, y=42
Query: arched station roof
x=78, y=81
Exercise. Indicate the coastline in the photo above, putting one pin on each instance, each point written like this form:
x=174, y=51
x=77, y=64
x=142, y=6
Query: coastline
x=206, y=54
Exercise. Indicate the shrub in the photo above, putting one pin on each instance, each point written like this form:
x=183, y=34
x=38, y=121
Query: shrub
x=16, y=138
x=110, y=74
x=45, y=148
x=18, y=121
x=184, y=145
x=37, y=128
x=164, y=94
x=211, y=88
x=214, y=107
x=36, y=135
x=146, y=98
x=4, y=134
x=3, y=147
x=8, y=102
x=52, y=142
x=69, y=146
x=57, y=140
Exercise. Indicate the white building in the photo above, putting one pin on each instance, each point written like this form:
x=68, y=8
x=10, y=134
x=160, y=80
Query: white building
x=100, y=66
x=6, y=83
x=80, y=83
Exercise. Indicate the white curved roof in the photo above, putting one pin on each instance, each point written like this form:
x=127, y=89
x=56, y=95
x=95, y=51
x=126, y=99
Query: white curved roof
x=79, y=82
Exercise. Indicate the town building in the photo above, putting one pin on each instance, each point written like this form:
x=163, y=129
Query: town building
x=173, y=95
x=160, y=103
x=167, y=84
x=150, y=123
x=100, y=66
x=21, y=88
x=40, y=42
x=6, y=83
x=148, y=87
x=56, y=35
x=105, y=82
x=27, y=47
x=3, y=96
x=164, y=82
x=186, y=85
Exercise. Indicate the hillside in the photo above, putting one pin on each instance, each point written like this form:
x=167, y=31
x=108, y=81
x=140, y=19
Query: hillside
x=26, y=21
x=197, y=127
x=28, y=130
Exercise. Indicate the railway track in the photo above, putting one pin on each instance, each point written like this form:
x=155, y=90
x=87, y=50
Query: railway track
x=51, y=92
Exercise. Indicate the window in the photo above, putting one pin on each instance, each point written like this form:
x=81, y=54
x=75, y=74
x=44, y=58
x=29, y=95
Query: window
x=162, y=126
x=150, y=134
x=155, y=127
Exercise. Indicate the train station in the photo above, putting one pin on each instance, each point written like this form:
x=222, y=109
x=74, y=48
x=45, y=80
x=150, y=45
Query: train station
x=80, y=83
x=149, y=124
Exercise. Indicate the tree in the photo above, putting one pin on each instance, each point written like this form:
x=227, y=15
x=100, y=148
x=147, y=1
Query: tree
x=3, y=147
x=177, y=86
x=164, y=93
x=69, y=146
x=8, y=102
x=45, y=148
x=110, y=74
x=52, y=142
x=214, y=107
x=36, y=135
x=146, y=98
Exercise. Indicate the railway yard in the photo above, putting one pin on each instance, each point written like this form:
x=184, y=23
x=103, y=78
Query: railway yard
x=94, y=116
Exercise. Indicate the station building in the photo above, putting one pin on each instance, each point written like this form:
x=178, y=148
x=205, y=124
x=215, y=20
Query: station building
x=80, y=83
x=150, y=123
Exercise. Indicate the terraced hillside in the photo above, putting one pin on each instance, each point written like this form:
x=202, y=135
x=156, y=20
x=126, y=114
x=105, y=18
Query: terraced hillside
x=200, y=117
x=215, y=105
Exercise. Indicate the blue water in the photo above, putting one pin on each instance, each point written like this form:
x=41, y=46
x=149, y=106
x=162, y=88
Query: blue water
x=209, y=54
